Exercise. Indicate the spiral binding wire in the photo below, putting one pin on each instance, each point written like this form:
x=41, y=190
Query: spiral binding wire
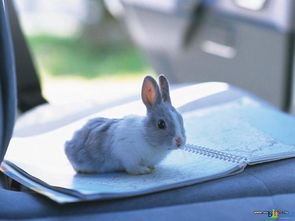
x=214, y=153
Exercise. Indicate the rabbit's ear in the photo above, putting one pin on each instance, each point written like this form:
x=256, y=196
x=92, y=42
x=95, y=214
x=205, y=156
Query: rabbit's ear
x=150, y=92
x=164, y=85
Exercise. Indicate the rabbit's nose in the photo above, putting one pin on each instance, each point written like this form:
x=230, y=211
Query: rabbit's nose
x=178, y=141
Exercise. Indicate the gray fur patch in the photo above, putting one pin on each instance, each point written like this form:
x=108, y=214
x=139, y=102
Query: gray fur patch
x=89, y=145
x=156, y=136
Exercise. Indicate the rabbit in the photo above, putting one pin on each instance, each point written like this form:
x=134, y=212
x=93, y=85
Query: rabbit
x=134, y=144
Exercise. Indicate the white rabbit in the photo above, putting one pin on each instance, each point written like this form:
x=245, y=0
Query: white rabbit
x=133, y=144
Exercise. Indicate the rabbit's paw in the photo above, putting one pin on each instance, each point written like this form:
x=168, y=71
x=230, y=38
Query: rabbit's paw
x=139, y=170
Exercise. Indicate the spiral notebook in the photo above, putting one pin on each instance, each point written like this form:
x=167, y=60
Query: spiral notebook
x=221, y=141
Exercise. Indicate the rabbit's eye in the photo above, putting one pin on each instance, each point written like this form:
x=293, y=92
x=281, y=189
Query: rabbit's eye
x=161, y=124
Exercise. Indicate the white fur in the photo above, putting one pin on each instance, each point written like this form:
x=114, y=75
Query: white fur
x=130, y=148
x=177, y=127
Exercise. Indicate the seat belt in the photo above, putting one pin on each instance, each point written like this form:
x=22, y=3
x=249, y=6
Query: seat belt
x=7, y=81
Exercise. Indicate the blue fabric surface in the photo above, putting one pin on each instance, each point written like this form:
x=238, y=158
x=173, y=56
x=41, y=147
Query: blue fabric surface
x=266, y=180
x=231, y=209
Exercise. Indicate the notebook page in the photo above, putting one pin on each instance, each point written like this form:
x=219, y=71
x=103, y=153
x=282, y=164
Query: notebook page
x=239, y=128
x=43, y=158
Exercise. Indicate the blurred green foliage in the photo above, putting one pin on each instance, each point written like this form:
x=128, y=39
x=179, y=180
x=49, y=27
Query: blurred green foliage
x=61, y=57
